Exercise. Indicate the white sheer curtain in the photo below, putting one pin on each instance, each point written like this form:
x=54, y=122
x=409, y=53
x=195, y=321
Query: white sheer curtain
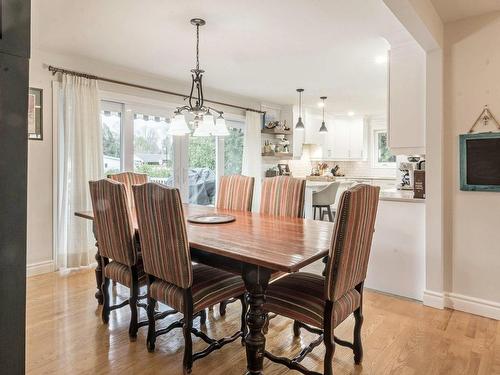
x=79, y=160
x=252, y=160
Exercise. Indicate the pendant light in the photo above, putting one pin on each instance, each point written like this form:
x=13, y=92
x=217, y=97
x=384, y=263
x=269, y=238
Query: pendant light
x=204, y=123
x=300, y=124
x=323, y=128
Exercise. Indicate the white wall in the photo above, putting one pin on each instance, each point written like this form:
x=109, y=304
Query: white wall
x=472, y=79
x=40, y=172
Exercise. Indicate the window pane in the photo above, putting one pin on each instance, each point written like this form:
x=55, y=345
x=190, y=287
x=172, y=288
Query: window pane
x=111, y=140
x=384, y=155
x=233, y=148
x=201, y=172
x=153, y=148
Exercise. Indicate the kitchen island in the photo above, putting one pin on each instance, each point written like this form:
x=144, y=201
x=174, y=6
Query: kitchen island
x=397, y=261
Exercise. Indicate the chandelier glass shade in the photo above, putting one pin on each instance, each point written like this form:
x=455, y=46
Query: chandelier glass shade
x=204, y=123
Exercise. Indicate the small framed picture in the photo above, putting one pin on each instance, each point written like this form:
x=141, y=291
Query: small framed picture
x=35, y=114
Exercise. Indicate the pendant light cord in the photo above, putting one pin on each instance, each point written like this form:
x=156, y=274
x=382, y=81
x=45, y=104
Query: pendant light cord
x=300, y=104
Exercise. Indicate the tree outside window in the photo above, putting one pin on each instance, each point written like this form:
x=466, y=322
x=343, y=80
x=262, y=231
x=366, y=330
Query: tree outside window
x=383, y=158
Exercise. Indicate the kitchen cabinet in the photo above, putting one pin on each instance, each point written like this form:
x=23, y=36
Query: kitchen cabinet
x=407, y=96
x=346, y=139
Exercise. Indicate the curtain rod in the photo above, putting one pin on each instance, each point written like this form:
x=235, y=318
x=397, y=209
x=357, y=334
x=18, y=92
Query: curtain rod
x=55, y=70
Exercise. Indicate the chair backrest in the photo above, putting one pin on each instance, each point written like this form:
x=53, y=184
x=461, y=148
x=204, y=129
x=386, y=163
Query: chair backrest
x=327, y=195
x=235, y=193
x=283, y=196
x=112, y=220
x=352, y=240
x=162, y=230
x=129, y=179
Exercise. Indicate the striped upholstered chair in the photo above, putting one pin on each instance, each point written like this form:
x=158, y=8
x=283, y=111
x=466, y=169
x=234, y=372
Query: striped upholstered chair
x=171, y=277
x=118, y=245
x=235, y=193
x=283, y=196
x=128, y=179
x=319, y=304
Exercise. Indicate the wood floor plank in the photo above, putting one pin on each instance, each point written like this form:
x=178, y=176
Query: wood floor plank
x=65, y=336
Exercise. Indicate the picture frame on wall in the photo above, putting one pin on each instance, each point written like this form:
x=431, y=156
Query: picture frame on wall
x=35, y=114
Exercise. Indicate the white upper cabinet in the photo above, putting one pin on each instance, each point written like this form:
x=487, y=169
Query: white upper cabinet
x=407, y=95
x=357, y=139
x=345, y=139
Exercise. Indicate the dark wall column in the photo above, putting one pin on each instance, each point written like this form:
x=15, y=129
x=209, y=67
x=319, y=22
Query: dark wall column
x=14, y=82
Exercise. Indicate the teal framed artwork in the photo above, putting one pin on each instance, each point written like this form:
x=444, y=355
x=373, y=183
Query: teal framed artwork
x=480, y=162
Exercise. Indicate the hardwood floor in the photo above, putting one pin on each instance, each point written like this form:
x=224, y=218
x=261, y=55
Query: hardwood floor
x=65, y=336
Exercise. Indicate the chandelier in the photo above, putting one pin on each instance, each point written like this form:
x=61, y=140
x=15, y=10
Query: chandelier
x=207, y=121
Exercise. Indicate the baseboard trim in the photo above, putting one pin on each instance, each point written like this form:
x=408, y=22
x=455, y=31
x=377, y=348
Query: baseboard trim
x=472, y=305
x=433, y=299
x=40, y=268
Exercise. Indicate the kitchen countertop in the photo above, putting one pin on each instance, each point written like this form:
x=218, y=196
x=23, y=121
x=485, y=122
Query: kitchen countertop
x=396, y=195
x=386, y=194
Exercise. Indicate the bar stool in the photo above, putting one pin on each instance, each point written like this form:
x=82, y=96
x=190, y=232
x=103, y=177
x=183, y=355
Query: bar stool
x=323, y=200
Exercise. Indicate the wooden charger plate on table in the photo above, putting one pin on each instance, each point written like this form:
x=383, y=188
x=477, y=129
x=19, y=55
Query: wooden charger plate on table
x=211, y=219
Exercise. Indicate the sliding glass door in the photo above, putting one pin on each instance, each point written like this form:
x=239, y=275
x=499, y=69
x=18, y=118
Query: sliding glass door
x=153, y=148
x=135, y=138
x=111, y=125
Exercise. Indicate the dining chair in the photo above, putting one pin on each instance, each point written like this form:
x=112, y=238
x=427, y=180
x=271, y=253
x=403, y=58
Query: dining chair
x=320, y=303
x=323, y=199
x=171, y=277
x=118, y=246
x=128, y=179
x=235, y=193
x=283, y=196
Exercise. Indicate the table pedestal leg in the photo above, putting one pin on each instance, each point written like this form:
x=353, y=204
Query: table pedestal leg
x=98, y=272
x=256, y=280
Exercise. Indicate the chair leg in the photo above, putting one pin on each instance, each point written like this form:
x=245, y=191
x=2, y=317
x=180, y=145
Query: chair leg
x=222, y=308
x=203, y=317
x=314, y=213
x=105, y=300
x=187, y=361
x=134, y=292
x=151, y=339
x=105, y=292
x=244, y=309
x=358, y=346
x=329, y=352
x=329, y=212
x=328, y=338
x=296, y=328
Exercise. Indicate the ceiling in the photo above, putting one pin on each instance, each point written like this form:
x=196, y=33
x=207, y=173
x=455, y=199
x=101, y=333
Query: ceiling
x=453, y=10
x=259, y=49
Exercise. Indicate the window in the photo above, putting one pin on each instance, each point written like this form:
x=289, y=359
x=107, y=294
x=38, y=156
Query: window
x=153, y=148
x=135, y=138
x=382, y=158
x=111, y=123
x=233, y=148
x=202, y=170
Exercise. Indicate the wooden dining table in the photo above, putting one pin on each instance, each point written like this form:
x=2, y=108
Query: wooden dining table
x=256, y=246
